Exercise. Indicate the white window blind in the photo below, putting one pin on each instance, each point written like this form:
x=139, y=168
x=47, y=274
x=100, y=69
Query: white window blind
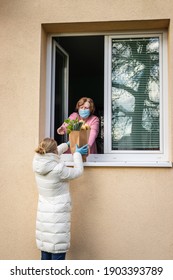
x=136, y=93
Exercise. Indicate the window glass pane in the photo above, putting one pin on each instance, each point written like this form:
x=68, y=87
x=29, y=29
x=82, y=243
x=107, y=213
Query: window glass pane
x=135, y=94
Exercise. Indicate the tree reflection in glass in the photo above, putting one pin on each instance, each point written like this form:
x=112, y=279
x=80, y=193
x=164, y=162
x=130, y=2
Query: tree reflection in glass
x=135, y=94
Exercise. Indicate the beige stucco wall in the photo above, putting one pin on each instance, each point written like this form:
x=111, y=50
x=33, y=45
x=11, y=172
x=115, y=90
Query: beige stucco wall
x=118, y=213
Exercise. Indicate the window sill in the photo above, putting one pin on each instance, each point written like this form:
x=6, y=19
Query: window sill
x=69, y=162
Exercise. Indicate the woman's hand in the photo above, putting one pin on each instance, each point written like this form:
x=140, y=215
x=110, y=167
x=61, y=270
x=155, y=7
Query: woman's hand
x=61, y=130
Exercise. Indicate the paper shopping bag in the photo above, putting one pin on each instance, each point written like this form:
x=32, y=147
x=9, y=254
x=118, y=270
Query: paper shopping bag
x=80, y=138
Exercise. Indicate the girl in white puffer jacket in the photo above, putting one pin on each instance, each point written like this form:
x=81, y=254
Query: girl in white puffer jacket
x=54, y=204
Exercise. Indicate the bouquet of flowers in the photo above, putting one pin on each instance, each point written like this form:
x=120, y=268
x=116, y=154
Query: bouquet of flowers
x=78, y=132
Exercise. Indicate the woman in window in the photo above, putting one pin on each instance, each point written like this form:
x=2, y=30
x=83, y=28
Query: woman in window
x=85, y=111
x=54, y=204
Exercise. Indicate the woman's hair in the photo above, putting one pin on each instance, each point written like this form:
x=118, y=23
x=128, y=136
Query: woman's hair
x=47, y=145
x=82, y=101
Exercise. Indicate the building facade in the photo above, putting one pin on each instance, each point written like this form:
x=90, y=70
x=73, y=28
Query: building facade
x=122, y=205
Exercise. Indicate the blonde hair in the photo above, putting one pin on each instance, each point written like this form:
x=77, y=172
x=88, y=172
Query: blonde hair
x=47, y=145
x=82, y=101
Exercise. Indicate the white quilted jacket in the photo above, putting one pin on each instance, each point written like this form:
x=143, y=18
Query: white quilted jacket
x=54, y=204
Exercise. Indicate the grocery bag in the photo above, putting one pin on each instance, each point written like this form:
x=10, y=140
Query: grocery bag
x=80, y=138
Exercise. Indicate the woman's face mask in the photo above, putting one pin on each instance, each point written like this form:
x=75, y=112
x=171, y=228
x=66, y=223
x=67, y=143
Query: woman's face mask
x=84, y=113
x=84, y=110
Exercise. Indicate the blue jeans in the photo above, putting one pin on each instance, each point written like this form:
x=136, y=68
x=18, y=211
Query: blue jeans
x=51, y=256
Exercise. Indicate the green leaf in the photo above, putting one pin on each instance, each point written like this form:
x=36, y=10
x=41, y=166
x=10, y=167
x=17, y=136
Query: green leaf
x=73, y=125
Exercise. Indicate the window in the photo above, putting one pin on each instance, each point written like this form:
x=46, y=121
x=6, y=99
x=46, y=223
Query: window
x=128, y=73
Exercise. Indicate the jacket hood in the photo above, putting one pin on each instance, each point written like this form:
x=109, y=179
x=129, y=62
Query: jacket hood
x=43, y=164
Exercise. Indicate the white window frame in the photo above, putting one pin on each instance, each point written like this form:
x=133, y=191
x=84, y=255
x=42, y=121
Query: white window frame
x=122, y=158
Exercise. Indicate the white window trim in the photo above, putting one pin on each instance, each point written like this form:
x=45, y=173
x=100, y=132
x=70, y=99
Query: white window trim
x=119, y=158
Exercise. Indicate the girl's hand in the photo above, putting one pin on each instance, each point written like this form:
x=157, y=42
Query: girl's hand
x=82, y=150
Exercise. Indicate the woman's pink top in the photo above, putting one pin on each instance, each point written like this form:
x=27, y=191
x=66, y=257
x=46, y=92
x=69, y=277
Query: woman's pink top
x=93, y=122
